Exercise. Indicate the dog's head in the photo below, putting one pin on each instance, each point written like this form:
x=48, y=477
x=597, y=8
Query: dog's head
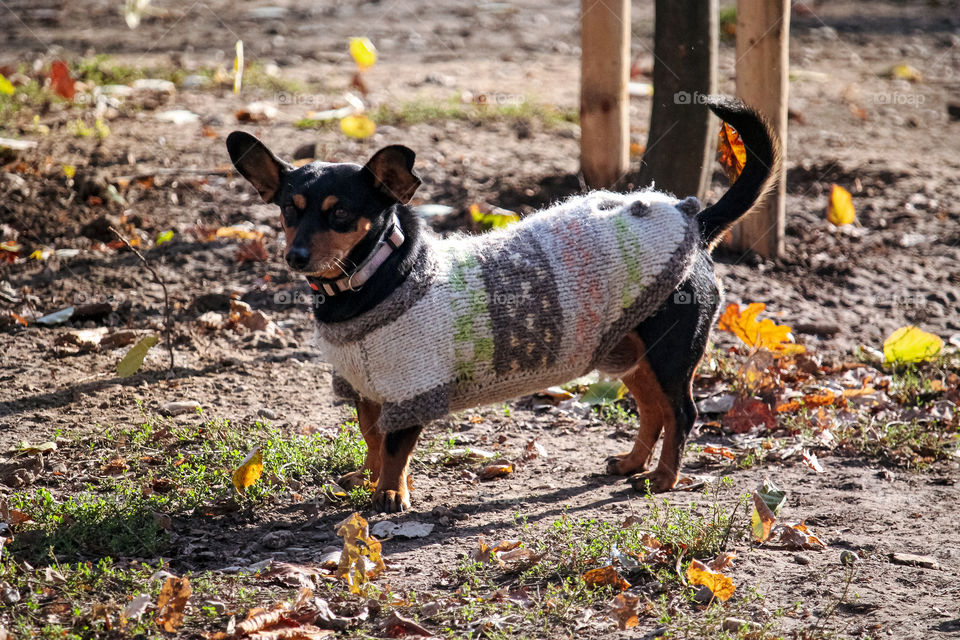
x=327, y=209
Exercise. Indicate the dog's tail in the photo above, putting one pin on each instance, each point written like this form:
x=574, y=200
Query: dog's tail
x=758, y=175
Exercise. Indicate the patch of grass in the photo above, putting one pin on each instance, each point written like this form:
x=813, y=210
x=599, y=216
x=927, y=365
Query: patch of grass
x=617, y=414
x=423, y=111
x=913, y=444
x=138, y=478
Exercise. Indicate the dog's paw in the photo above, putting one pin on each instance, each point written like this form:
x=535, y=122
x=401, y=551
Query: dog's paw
x=655, y=481
x=624, y=465
x=352, y=480
x=390, y=501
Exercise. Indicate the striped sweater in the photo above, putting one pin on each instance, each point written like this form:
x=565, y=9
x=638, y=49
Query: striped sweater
x=482, y=319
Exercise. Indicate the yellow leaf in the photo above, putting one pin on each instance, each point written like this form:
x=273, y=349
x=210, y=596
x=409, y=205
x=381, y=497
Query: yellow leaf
x=132, y=362
x=765, y=334
x=5, y=87
x=358, y=126
x=164, y=236
x=238, y=68
x=69, y=170
x=171, y=603
x=361, y=559
x=731, y=153
x=910, y=344
x=840, y=209
x=605, y=577
x=906, y=72
x=249, y=470
x=363, y=52
x=721, y=586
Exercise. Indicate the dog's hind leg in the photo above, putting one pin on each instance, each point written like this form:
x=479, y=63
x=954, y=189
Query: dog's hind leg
x=367, y=414
x=669, y=347
x=392, y=492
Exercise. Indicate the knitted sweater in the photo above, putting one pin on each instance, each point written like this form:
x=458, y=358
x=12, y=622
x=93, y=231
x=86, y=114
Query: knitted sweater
x=482, y=319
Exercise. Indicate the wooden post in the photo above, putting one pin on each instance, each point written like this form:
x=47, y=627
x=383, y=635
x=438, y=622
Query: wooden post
x=763, y=31
x=604, y=108
x=682, y=139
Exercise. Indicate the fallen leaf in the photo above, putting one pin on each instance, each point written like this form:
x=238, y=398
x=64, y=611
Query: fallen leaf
x=132, y=362
x=171, y=603
x=625, y=609
x=60, y=80
x=249, y=470
x=363, y=52
x=720, y=585
x=253, y=251
x=604, y=392
x=840, y=209
x=494, y=217
x=748, y=414
x=906, y=72
x=731, y=153
x=605, y=577
x=359, y=551
x=164, y=236
x=767, y=502
x=408, y=529
x=137, y=606
x=396, y=626
x=6, y=88
x=810, y=460
x=498, y=470
x=910, y=344
x=764, y=334
x=295, y=575
x=719, y=451
x=357, y=126
x=796, y=536
x=722, y=561
x=55, y=318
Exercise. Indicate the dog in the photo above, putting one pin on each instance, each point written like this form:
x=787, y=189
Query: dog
x=416, y=327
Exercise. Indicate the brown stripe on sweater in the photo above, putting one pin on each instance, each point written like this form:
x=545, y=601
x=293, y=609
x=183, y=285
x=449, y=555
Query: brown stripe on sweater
x=524, y=306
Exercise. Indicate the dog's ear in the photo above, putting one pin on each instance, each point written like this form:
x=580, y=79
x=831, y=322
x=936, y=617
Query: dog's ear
x=392, y=171
x=257, y=164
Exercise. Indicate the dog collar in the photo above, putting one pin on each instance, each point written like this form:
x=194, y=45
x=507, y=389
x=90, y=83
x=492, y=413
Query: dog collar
x=390, y=240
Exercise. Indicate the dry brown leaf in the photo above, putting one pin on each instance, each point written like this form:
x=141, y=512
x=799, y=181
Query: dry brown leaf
x=722, y=561
x=360, y=560
x=762, y=519
x=497, y=470
x=625, y=608
x=295, y=575
x=396, y=626
x=171, y=603
x=747, y=414
x=605, y=577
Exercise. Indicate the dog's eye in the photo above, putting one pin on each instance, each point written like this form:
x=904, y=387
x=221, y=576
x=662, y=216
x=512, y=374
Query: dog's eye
x=340, y=215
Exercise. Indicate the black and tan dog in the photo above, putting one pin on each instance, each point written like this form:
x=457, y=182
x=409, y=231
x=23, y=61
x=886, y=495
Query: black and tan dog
x=349, y=231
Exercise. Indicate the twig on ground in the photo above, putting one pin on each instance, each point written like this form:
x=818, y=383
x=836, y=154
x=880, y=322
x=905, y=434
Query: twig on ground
x=167, y=317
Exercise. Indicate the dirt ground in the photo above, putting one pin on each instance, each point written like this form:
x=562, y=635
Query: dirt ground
x=890, y=141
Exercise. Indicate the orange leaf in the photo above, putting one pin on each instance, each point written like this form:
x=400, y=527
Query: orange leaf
x=765, y=334
x=624, y=609
x=719, y=451
x=171, y=603
x=605, y=577
x=731, y=153
x=721, y=586
x=60, y=80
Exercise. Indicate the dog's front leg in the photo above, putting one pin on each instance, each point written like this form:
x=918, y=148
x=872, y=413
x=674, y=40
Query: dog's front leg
x=392, y=494
x=367, y=414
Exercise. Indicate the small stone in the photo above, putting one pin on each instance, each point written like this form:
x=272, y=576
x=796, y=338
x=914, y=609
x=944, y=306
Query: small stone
x=848, y=558
x=913, y=560
x=266, y=414
x=277, y=539
x=802, y=559
x=180, y=407
x=9, y=595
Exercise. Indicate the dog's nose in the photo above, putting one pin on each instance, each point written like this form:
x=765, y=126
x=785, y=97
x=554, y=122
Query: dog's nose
x=298, y=258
